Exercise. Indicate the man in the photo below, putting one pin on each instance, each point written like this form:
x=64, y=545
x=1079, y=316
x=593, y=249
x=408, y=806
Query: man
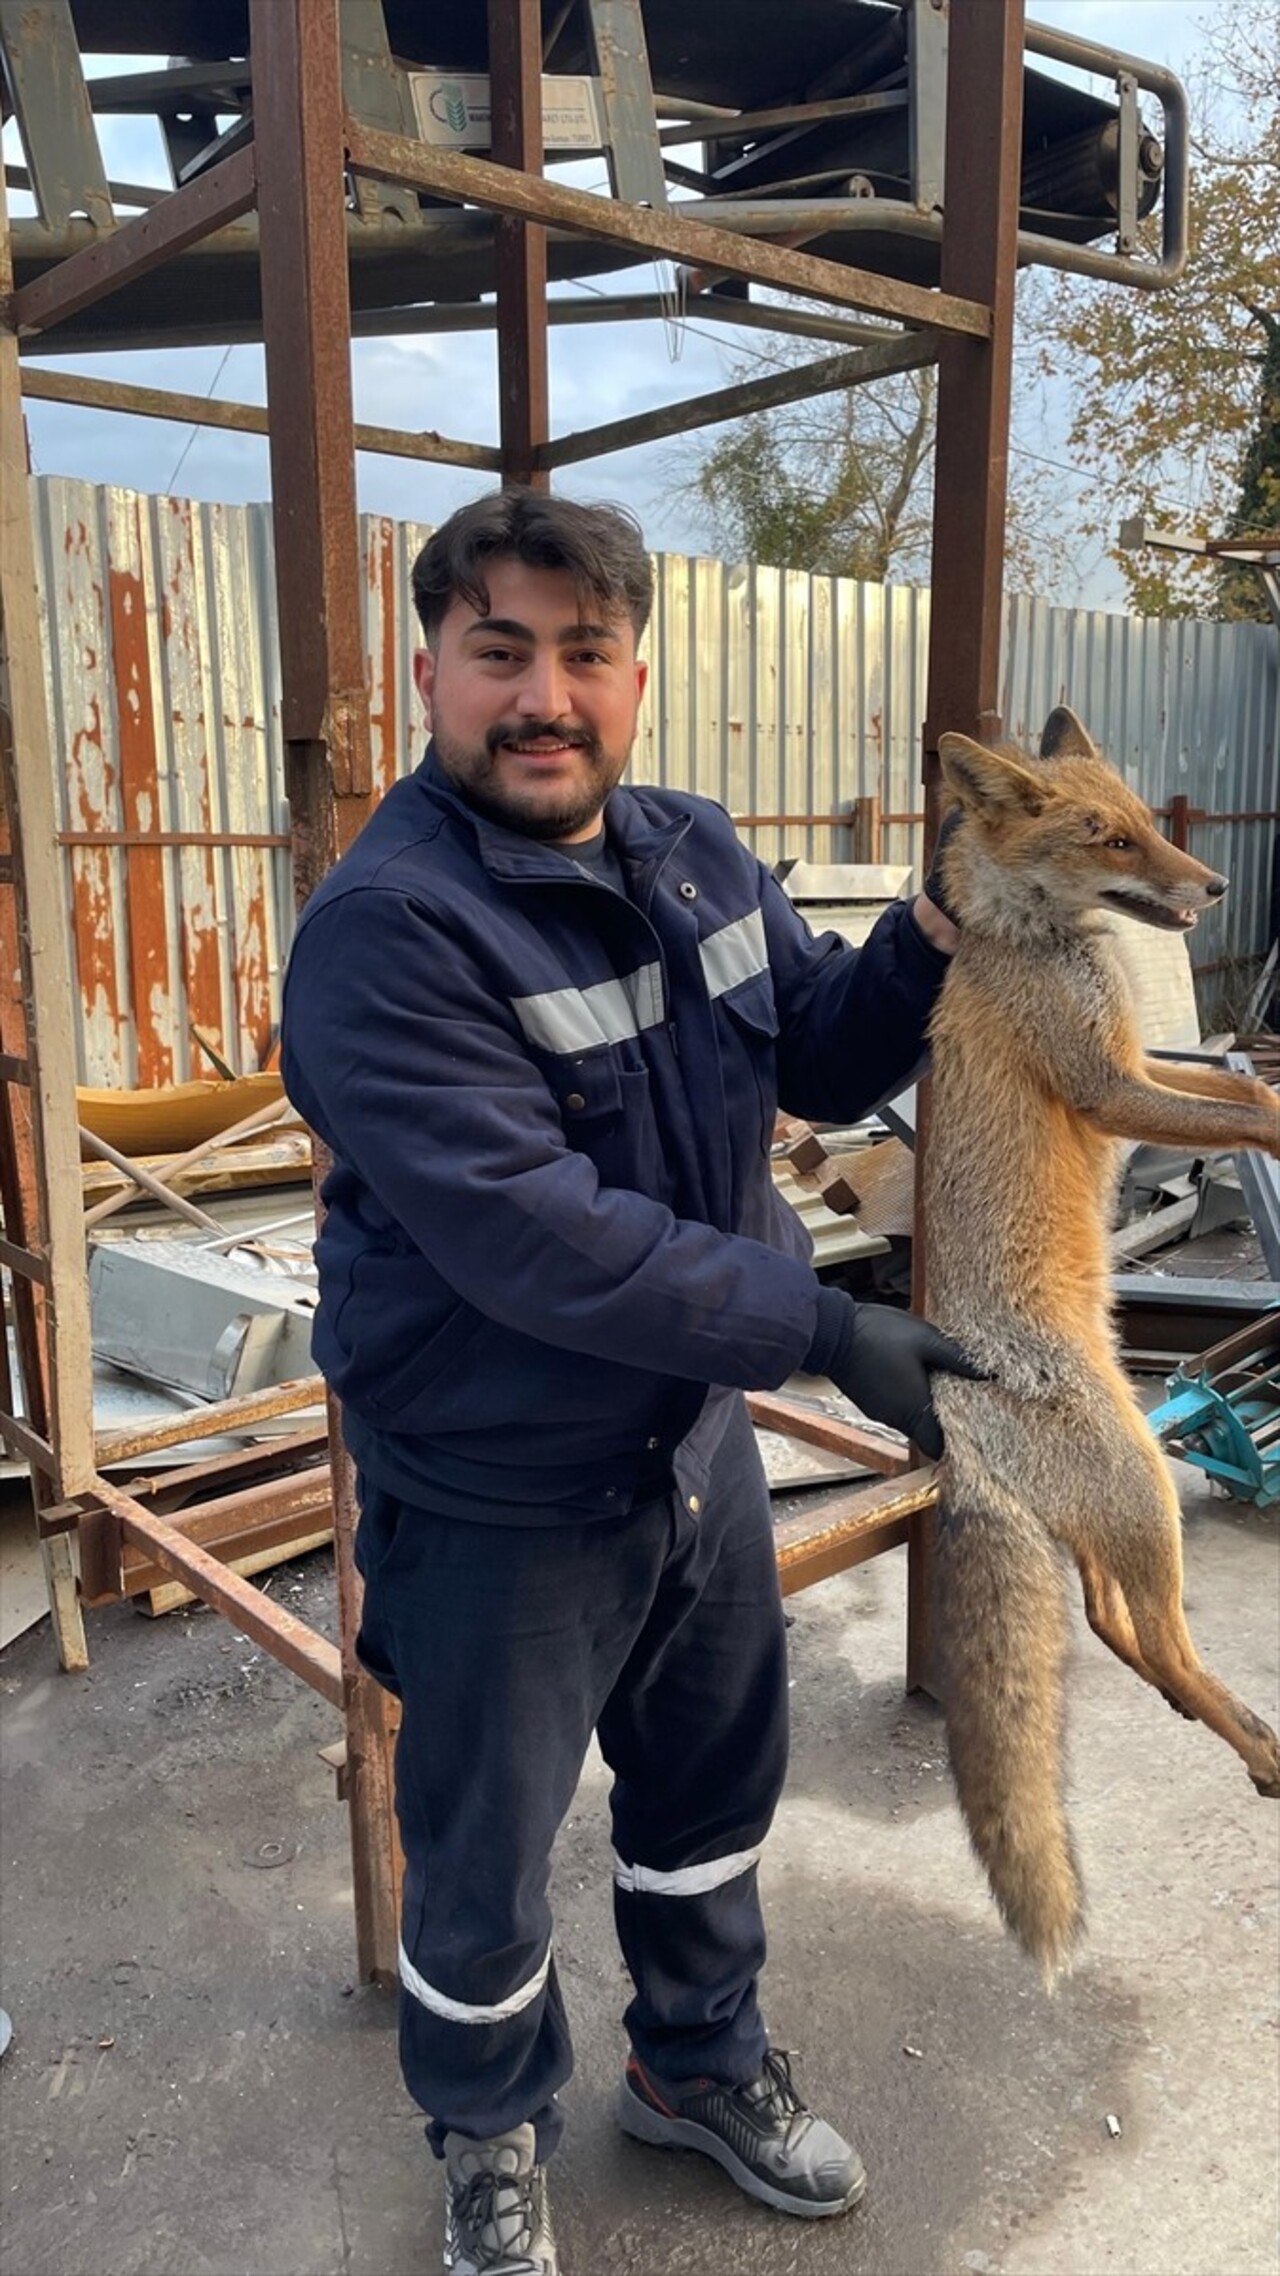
x=544, y=1023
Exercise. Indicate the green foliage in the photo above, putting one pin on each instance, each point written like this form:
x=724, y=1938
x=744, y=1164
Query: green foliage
x=835, y=484
x=1257, y=513
x=1174, y=393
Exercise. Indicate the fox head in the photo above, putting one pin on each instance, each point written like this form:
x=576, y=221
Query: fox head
x=1045, y=841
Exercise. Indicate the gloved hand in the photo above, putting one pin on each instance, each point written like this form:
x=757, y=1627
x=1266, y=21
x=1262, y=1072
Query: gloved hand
x=933, y=884
x=882, y=1360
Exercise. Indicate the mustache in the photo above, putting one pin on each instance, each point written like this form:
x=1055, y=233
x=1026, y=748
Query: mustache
x=531, y=730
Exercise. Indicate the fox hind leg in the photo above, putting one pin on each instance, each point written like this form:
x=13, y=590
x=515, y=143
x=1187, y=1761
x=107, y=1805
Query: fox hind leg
x=1151, y=1587
x=1109, y=1617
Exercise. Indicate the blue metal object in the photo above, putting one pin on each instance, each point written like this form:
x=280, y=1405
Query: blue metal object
x=1223, y=1413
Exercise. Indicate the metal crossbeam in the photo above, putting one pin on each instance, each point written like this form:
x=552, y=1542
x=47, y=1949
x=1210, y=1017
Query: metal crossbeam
x=219, y=195
x=906, y=351
x=477, y=181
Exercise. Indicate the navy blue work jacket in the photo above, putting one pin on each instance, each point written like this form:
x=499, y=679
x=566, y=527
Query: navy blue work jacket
x=550, y=1222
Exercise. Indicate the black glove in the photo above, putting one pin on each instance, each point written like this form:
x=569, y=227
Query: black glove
x=933, y=884
x=881, y=1359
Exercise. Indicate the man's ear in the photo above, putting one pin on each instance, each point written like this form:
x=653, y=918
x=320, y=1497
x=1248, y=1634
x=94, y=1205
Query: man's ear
x=986, y=780
x=1064, y=737
x=424, y=677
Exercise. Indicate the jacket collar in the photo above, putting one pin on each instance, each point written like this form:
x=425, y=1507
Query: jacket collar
x=643, y=829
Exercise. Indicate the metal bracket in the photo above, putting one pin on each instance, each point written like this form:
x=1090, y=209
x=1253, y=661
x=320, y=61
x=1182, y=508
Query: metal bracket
x=45, y=81
x=1127, y=164
x=621, y=59
x=376, y=90
x=930, y=37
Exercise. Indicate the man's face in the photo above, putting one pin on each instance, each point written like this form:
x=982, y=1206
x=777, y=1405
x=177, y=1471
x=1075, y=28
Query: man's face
x=533, y=711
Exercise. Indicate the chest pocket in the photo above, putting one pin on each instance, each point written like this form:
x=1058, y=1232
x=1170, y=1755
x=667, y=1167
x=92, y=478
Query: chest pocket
x=749, y=1043
x=608, y=1115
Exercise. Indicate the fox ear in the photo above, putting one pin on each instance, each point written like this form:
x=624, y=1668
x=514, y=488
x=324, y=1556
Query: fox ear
x=1064, y=737
x=985, y=779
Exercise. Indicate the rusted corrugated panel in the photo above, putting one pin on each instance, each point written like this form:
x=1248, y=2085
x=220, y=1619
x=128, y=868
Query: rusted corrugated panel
x=771, y=691
x=132, y=604
x=83, y=717
x=194, y=790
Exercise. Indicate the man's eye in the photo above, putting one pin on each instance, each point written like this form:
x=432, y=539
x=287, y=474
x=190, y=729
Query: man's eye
x=590, y=656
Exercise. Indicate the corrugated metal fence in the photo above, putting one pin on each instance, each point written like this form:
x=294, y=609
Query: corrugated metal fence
x=780, y=694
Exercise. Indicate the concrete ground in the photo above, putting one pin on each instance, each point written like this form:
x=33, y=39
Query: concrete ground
x=195, y=2088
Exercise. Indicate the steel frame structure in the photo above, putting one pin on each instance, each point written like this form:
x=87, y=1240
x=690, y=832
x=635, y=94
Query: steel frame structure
x=306, y=148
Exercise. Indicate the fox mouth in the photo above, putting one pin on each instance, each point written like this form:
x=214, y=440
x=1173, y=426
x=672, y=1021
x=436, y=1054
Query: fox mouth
x=1152, y=912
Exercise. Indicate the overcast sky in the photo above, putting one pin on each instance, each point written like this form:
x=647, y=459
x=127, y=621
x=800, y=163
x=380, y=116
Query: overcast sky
x=598, y=372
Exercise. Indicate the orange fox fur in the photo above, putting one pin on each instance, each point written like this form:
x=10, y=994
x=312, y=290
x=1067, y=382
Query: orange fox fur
x=1038, y=1071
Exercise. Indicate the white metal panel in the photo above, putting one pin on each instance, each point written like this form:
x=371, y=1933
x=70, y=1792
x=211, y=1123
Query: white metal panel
x=769, y=690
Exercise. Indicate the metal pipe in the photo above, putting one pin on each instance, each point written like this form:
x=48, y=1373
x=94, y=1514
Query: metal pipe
x=1085, y=55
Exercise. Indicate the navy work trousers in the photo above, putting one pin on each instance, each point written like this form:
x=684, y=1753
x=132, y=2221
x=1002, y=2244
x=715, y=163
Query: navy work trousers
x=663, y=1631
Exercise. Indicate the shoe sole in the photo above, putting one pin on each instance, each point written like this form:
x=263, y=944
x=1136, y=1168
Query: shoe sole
x=646, y=2125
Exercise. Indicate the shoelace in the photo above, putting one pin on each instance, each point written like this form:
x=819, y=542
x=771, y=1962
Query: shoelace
x=780, y=2099
x=504, y=2203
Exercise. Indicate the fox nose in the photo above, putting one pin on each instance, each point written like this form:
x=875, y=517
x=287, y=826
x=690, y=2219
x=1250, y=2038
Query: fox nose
x=1215, y=887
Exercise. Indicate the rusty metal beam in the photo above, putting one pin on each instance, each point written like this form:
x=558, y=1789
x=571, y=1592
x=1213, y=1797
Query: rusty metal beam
x=971, y=472
x=875, y=1452
x=667, y=235
x=288, y=1639
x=211, y=1421
x=906, y=351
x=850, y=1528
x=520, y=246
x=177, y=221
x=328, y=760
x=91, y=393
x=268, y=1516
x=307, y=309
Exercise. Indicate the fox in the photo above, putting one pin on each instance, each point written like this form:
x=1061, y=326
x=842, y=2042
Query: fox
x=1038, y=1073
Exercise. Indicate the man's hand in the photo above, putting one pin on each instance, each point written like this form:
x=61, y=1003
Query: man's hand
x=882, y=1359
x=933, y=911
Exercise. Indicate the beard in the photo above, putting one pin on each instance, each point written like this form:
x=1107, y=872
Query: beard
x=536, y=810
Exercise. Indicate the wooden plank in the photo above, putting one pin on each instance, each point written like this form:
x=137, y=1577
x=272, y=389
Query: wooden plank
x=288, y=1639
x=181, y=219
x=666, y=235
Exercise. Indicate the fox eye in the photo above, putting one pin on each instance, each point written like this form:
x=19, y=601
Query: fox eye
x=1120, y=845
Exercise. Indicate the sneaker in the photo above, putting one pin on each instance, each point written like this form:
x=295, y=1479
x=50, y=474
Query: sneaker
x=762, y=2134
x=496, y=2220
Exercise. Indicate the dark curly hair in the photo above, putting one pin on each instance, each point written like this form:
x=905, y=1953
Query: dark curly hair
x=602, y=548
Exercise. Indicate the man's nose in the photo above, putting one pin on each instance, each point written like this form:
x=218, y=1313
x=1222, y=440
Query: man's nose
x=543, y=690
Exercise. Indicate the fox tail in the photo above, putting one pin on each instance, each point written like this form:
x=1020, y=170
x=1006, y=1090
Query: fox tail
x=1002, y=1632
